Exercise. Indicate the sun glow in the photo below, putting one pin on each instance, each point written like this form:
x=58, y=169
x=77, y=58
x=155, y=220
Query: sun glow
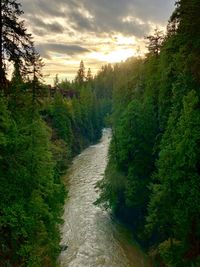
x=123, y=40
x=114, y=56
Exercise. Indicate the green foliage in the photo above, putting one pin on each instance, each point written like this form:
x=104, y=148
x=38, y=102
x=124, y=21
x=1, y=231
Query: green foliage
x=153, y=175
x=33, y=156
x=31, y=206
x=61, y=119
x=80, y=78
x=173, y=208
x=125, y=187
x=39, y=135
x=15, y=42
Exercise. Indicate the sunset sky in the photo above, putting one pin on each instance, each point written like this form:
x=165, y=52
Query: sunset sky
x=95, y=31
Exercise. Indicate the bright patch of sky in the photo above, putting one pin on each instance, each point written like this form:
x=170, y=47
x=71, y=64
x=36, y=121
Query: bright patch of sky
x=95, y=31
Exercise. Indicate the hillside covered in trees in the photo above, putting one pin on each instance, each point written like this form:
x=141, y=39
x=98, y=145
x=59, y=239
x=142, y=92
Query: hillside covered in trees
x=39, y=135
x=152, y=180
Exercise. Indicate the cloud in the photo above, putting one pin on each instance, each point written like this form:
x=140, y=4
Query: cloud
x=41, y=27
x=97, y=24
x=45, y=49
x=50, y=8
x=67, y=31
x=80, y=22
x=103, y=15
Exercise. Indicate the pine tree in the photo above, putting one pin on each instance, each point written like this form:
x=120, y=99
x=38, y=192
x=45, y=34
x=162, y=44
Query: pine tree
x=56, y=81
x=15, y=42
x=80, y=78
x=89, y=75
x=173, y=209
x=155, y=42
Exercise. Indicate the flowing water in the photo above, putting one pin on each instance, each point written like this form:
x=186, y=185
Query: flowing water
x=92, y=237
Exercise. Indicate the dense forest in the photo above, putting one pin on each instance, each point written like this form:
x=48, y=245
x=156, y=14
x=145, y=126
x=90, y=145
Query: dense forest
x=152, y=180
x=152, y=104
x=41, y=129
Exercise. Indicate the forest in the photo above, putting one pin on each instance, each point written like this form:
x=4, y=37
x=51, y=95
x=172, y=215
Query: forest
x=41, y=130
x=153, y=176
x=152, y=104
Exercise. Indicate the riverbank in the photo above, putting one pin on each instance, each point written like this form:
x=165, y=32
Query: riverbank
x=93, y=239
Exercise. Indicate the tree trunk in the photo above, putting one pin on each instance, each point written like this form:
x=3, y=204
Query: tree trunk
x=2, y=71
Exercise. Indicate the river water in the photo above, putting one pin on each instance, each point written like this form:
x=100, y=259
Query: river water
x=92, y=237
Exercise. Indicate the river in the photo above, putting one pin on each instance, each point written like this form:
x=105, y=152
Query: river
x=92, y=237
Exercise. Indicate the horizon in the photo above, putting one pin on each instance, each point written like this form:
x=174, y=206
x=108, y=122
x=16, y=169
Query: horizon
x=66, y=32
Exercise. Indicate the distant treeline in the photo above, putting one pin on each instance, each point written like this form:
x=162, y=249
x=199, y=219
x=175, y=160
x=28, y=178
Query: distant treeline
x=39, y=135
x=153, y=177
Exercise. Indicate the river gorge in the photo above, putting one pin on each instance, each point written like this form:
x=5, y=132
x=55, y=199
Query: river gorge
x=92, y=237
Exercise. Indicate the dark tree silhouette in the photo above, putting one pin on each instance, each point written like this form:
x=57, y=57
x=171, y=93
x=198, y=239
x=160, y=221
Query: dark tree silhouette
x=15, y=43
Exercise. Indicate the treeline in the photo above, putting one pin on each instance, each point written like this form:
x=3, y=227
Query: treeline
x=153, y=177
x=39, y=135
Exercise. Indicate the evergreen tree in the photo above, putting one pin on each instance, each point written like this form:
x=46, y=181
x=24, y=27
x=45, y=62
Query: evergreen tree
x=155, y=42
x=80, y=78
x=15, y=42
x=173, y=208
x=89, y=75
x=56, y=81
x=153, y=170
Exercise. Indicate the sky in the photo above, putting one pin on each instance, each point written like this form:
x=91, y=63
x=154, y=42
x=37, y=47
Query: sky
x=95, y=31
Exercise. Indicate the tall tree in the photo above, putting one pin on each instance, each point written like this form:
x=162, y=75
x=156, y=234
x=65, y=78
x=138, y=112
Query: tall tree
x=154, y=42
x=80, y=78
x=89, y=75
x=15, y=42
